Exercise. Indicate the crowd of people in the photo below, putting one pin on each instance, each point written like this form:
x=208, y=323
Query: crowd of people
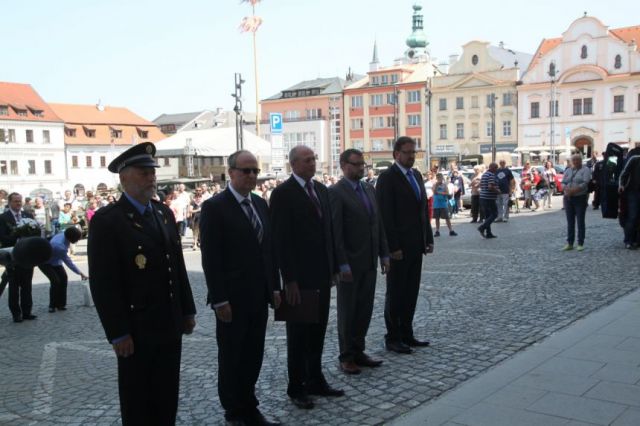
x=283, y=244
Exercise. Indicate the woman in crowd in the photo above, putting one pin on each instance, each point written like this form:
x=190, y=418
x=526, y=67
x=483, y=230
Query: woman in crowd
x=576, y=191
x=549, y=174
x=525, y=184
x=476, y=211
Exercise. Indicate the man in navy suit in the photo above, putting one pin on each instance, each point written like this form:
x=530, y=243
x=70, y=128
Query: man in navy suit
x=403, y=205
x=242, y=279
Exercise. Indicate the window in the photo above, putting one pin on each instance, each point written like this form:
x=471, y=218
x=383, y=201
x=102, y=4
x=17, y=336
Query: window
x=391, y=122
x=3, y=136
x=535, y=109
x=14, y=167
x=166, y=163
x=617, y=65
x=459, y=130
x=70, y=132
x=587, y=106
x=506, y=128
x=377, y=122
x=577, y=107
x=490, y=100
x=376, y=100
x=474, y=59
x=390, y=144
x=443, y=131
x=583, y=52
x=46, y=136
x=443, y=104
x=91, y=133
x=489, y=129
x=20, y=112
x=474, y=102
x=413, y=96
x=459, y=102
x=553, y=108
x=358, y=144
x=357, y=123
x=356, y=102
x=638, y=101
x=115, y=133
x=292, y=115
x=384, y=79
x=3, y=167
x=418, y=142
x=47, y=167
x=4, y=110
x=507, y=99
x=414, y=120
x=36, y=112
x=377, y=145
x=375, y=80
x=394, y=78
x=31, y=169
x=12, y=135
x=74, y=161
x=87, y=161
x=103, y=161
x=391, y=98
x=618, y=103
x=475, y=131
x=29, y=134
x=552, y=69
x=314, y=114
x=168, y=128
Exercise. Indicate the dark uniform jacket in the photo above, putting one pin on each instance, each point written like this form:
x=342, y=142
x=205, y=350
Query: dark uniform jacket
x=138, y=278
x=7, y=223
x=405, y=217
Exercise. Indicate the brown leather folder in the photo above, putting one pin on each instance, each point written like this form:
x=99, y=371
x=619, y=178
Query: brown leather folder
x=308, y=311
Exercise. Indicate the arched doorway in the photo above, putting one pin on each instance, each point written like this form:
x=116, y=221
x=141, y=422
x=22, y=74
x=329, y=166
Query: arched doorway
x=78, y=190
x=102, y=188
x=584, y=145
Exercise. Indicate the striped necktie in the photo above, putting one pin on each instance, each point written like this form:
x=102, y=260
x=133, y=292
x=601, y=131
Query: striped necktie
x=255, y=223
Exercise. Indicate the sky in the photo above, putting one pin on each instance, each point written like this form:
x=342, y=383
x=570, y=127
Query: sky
x=170, y=56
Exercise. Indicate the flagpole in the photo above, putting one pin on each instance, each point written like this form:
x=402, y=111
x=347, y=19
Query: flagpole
x=255, y=72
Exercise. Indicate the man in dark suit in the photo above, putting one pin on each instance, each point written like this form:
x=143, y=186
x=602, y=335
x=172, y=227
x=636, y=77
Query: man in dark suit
x=20, y=300
x=359, y=243
x=403, y=204
x=301, y=220
x=141, y=290
x=242, y=279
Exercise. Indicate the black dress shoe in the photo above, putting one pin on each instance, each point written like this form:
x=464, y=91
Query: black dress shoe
x=61, y=308
x=489, y=236
x=29, y=317
x=324, y=390
x=303, y=402
x=398, y=347
x=17, y=319
x=413, y=342
x=52, y=310
x=258, y=419
x=365, y=360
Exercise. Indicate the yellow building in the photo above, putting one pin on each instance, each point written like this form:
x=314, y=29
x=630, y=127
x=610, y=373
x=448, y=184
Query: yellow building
x=462, y=99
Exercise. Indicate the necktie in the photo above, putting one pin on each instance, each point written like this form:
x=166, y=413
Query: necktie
x=363, y=198
x=414, y=184
x=314, y=199
x=255, y=223
x=18, y=217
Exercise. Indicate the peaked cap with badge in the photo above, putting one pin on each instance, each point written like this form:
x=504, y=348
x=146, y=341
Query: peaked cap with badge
x=141, y=155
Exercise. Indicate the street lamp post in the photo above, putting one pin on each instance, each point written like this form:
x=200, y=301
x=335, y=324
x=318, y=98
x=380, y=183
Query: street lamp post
x=396, y=94
x=427, y=97
x=552, y=110
x=493, y=127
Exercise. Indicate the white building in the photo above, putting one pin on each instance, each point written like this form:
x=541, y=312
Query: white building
x=592, y=76
x=32, y=160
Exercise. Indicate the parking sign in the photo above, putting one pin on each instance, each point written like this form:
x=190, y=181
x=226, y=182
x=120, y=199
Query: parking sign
x=275, y=118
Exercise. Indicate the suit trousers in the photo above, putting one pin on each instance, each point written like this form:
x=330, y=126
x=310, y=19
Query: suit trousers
x=20, y=301
x=149, y=383
x=58, y=279
x=355, y=306
x=305, y=343
x=240, y=354
x=403, y=285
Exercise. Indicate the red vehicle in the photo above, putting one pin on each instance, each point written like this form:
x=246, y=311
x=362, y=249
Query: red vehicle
x=557, y=184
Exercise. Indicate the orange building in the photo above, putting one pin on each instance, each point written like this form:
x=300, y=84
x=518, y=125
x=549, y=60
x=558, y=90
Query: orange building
x=96, y=134
x=391, y=102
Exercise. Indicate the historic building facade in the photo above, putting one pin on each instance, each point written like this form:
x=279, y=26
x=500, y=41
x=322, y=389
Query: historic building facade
x=581, y=91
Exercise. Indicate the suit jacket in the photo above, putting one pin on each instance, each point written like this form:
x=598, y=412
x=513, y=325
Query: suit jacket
x=238, y=269
x=303, y=241
x=359, y=238
x=138, y=276
x=405, y=217
x=7, y=223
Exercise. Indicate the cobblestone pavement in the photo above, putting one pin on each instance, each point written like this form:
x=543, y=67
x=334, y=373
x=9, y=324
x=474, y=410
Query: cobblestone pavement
x=481, y=302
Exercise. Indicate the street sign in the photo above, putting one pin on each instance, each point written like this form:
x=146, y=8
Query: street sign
x=275, y=119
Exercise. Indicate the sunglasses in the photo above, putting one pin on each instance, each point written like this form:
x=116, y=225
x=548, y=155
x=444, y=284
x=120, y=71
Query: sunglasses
x=357, y=164
x=248, y=170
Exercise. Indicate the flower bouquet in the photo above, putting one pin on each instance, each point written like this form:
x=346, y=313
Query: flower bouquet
x=27, y=227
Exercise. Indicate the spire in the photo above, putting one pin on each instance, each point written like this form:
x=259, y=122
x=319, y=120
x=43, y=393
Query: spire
x=375, y=62
x=417, y=41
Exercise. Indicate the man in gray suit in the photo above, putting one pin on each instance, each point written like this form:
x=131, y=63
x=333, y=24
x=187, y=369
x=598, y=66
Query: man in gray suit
x=359, y=242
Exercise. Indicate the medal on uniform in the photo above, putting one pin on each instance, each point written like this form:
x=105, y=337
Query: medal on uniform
x=141, y=261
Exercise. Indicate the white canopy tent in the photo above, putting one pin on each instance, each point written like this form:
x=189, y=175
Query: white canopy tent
x=215, y=142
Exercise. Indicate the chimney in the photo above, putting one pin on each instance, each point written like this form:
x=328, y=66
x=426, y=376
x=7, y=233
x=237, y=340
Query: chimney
x=452, y=60
x=443, y=67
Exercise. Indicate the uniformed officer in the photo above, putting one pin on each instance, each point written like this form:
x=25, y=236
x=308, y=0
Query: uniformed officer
x=141, y=290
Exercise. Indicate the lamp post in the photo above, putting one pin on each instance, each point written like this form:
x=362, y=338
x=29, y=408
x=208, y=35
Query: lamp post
x=493, y=127
x=237, y=95
x=396, y=132
x=553, y=110
x=427, y=97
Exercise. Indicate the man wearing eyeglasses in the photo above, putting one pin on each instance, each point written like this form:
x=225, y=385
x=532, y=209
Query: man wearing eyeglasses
x=304, y=247
x=242, y=279
x=359, y=243
x=403, y=204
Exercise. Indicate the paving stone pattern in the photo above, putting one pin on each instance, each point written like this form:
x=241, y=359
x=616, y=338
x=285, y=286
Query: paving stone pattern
x=481, y=302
